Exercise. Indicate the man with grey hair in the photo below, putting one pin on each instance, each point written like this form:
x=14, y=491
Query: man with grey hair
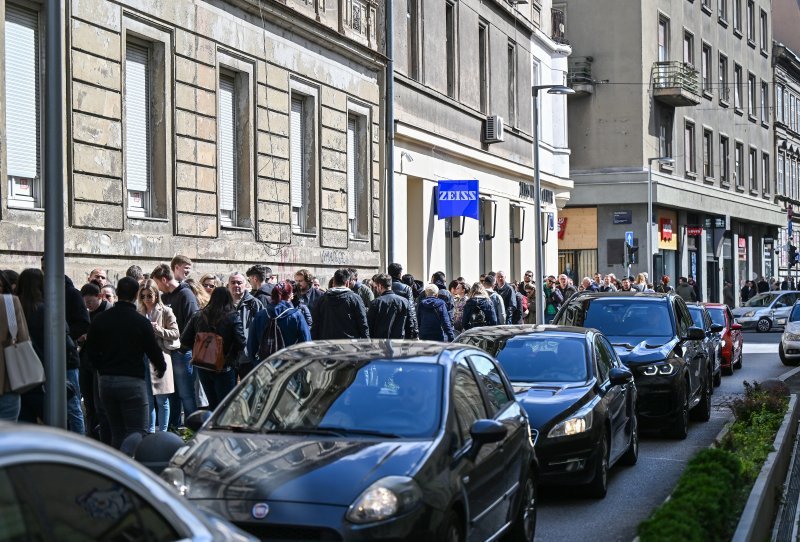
x=495, y=298
x=509, y=296
x=247, y=306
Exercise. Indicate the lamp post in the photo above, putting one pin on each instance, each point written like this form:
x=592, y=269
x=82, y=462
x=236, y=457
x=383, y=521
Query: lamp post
x=537, y=188
x=649, y=221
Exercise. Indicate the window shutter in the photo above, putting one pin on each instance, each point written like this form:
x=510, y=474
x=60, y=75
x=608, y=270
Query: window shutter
x=352, y=169
x=297, y=141
x=137, y=118
x=22, y=92
x=227, y=141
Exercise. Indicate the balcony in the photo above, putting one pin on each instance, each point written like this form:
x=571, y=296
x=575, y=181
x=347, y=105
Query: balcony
x=675, y=83
x=579, y=75
x=559, y=26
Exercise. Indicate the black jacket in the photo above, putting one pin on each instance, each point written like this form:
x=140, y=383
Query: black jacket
x=509, y=296
x=76, y=314
x=263, y=294
x=310, y=298
x=388, y=317
x=434, y=320
x=230, y=329
x=483, y=304
x=183, y=303
x=118, y=340
x=339, y=314
x=404, y=290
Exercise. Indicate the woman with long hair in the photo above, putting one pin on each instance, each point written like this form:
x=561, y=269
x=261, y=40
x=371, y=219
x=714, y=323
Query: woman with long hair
x=290, y=320
x=199, y=289
x=30, y=290
x=640, y=284
x=10, y=401
x=478, y=310
x=459, y=292
x=221, y=317
x=165, y=326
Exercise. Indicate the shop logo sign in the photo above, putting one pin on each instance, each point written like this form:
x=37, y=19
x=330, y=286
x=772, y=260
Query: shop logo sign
x=457, y=198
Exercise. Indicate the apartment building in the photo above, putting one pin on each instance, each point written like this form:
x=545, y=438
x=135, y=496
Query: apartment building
x=684, y=79
x=231, y=132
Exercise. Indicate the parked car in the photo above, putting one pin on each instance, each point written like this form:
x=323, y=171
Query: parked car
x=58, y=486
x=655, y=337
x=765, y=311
x=731, y=337
x=789, y=349
x=367, y=440
x=580, y=399
x=712, y=343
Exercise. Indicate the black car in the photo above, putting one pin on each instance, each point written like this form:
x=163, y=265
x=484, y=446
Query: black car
x=712, y=341
x=367, y=440
x=655, y=337
x=579, y=397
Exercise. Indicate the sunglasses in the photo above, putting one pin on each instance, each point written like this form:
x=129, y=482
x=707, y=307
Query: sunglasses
x=209, y=286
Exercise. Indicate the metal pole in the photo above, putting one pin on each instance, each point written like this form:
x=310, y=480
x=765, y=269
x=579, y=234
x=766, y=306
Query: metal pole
x=537, y=188
x=389, y=131
x=649, y=225
x=55, y=403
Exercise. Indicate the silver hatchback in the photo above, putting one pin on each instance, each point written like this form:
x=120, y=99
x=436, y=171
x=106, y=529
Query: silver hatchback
x=767, y=310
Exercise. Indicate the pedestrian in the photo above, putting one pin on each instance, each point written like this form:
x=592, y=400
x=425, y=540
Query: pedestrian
x=627, y=286
x=727, y=294
x=10, y=402
x=696, y=287
x=762, y=285
x=479, y=310
x=340, y=313
x=389, y=314
x=433, y=317
x=785, y=283
x=181, y=267
x=489, y=282
x=640, y=284
x=208, y=282
x=298, y=304
x=685, y=290
x=305, y=293
x=587, y=285
x=664, y=287
x=395, y=270
x=530, y=293
x=508, y=293
x=135, y=272
x=363, y=291
x=289, y=320
x=97, y=425
x=116, y=344
x=259, y=277
x=221, y=318
x=547, y=291
x=168, y=336
x=98, y=275
x=608, y=285
x=247, y=306
x=747, y=291
x=562, y=292
x=458, y=291
x=439, y=279
x=109, y=293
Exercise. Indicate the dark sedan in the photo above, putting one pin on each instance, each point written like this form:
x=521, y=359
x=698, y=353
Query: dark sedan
x=712, y=344
x=579, y=398
x=368, y=440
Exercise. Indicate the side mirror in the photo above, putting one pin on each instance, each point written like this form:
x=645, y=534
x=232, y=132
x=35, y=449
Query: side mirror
x=736, y=326
x=717, y=328
x=487, y=431
x=695, y=334
x=196, y=419
x=619, y=376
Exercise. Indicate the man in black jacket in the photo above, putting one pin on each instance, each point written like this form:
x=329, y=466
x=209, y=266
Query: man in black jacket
x=340, y=313
x=388, y=313
x=509, y=296
x=404, y=290
x=259, y=277
x=116, y=344
x=305, y=293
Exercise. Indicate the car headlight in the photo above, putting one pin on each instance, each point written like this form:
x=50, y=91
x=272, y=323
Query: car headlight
x=791, y=337
x=386, y=498
x=176, y=479
x=579, y=423
x=664, y=369
x=749, y=314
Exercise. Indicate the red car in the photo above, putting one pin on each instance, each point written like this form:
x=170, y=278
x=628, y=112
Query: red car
x=730, y=338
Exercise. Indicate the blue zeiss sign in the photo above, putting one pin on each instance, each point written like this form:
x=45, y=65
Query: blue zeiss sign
x=457, y=198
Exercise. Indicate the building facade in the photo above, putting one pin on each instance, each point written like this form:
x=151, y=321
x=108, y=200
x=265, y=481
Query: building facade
x=462, y=68
x=230, y=132
x=689, y=80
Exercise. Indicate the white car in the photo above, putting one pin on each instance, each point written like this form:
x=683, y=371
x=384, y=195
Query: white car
x=789, y=348
x=766, y=310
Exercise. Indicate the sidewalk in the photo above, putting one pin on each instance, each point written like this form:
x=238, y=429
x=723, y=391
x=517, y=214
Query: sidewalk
x=786, y=522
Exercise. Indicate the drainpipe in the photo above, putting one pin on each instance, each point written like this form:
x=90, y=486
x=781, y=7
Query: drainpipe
x=389, y=132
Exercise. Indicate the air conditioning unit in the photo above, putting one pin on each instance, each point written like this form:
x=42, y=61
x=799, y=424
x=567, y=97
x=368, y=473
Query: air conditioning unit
x=493, y=129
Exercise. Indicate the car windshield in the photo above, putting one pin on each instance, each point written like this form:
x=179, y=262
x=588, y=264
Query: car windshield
x=717, y=316
x=621, y=317
x=761, y=300
x=697, y=316
x=543, y=359
x=795, y=316
x=367, y=397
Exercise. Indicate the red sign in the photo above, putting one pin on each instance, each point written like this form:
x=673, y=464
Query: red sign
x=694, y=231
x=666, y=229
x=562, y=226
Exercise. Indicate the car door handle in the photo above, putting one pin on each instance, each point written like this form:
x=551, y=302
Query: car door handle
x=465, y=479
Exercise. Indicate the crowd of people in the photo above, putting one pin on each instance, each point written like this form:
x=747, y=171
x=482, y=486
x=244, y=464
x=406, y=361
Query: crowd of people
x=133, y=361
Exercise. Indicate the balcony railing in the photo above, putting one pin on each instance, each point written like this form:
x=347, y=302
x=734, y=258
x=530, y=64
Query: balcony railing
x=559, y=28
x=579, y=75
x=675, y=83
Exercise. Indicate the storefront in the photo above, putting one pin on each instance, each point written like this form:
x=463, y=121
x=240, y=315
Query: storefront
x=665, y=259
x=577, y=242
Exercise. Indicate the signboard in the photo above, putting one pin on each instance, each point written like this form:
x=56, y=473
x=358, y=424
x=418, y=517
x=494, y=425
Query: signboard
x=629, y=238
x=694, y=231
x=562, y=227
x=457, y=198
x=742, y=248
x=666, y=229
x=623, y=217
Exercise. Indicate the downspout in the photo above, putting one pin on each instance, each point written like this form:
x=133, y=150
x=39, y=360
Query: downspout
x=389, y=209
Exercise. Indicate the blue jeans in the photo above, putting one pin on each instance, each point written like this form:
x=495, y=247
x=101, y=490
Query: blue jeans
x=184, y=396
x=125, y=402
x=217, y=385
x=75, y=421
x=9, y=406
x=157, y=406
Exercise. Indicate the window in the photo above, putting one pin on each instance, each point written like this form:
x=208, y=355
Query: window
x=705, y=68
x=491, y=382
x=764, y=102
x=724, y=89
x=665, y=119
x=229, y=143
x=483, y=65
x=737, y=16
x=412, y=38
x=753, y=173
x=779, y=103
x=765, y=172
x=605, y=360
x=764, y=32
x=358, y=193
x=688, y=48
x=724, y=160
x=467, y=400
x=751, y=21
x=738, y=165
x=738, y=89
x=708, y=154
x=722, y=8
x=302, y=142
x=450, y=47
x=512, y=83
x=663, y=39
x=706, y=5
x=780, y=175
x=23, y=119
x=138, y=129
x=752, y=95
x=688, y=148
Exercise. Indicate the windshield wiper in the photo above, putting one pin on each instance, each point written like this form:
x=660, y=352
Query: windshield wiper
x=356, y=431
x=235, y=428
x=330, y=431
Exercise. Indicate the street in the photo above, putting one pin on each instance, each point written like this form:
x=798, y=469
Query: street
x=634, y=492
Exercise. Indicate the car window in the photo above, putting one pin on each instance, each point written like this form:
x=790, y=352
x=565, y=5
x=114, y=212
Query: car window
x=761, y=300
x=615, y=362
x=788, y=299
x=542, y=358
x=621, y=317
x=683, y=317
x=467, y=399
x=697, y=316
x=717, y=316
x=795, y=316
x=491, y=382
x=75, y=504
x=605, y=360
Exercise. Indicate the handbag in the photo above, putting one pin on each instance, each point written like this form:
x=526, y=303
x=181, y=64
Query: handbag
x=24, y=369
x=207, y=351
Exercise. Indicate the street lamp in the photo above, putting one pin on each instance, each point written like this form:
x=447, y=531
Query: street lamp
x=537, y=188
x=649, y=221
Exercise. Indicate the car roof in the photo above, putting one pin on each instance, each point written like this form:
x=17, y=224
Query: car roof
x=638, y=295
x=529, y=329
x=359, y=349
x=714, y=305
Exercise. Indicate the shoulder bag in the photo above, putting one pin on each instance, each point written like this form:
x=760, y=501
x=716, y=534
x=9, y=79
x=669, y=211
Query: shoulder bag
x=24, y=369
x=207, y=352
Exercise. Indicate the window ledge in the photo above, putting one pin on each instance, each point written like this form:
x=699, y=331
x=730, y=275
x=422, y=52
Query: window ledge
x=740, y=188
x=666, y=168
x=751, y=42
x=148, y=218
x=754, y=193
x=739, y=111
x=691, y=175
x=723, y=21
x=236, y=228
x=737, y=33
x=724, y=103
x=764, y=53
x=13, y=207
x=709, y=180
x=359, y=239
x=707, y=95
x=724, y=184
x=752, y=117
x=765, y=124
x=706, y=9
x=304, y=233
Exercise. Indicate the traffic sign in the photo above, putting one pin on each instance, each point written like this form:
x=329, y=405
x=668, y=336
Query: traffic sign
x=629, y=238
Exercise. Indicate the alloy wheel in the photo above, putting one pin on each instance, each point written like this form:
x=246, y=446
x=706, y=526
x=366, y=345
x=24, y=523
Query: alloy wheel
x=763, y=325
x=529, y=510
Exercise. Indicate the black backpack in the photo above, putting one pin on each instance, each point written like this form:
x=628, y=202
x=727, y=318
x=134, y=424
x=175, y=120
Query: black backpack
x=272, y=338
x=477, y=318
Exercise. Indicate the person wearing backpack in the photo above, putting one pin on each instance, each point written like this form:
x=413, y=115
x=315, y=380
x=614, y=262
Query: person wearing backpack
x=217, y=319
x=277, y=326
x=433, y=317
x=479, y=309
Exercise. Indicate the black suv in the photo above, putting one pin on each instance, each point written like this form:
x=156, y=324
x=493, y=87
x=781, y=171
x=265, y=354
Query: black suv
x=654, y=336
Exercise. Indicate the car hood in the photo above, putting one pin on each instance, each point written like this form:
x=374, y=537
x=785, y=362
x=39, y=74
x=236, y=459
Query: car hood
x=297, y=468
x=633, y=351
x=741, y=311
x=792, y=327
x=546, y=402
